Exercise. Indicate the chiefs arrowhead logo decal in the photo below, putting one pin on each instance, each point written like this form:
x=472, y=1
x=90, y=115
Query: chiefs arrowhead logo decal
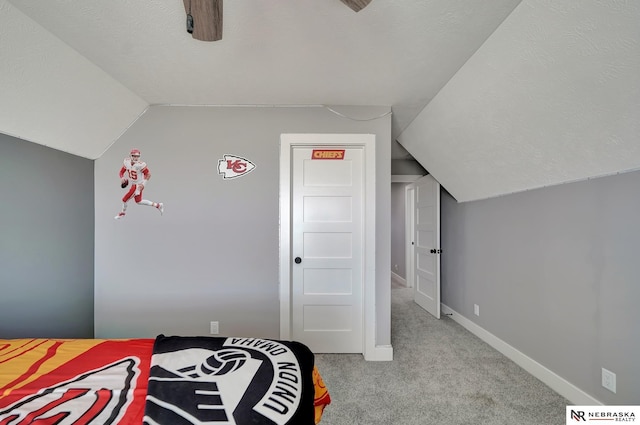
x=232, y=166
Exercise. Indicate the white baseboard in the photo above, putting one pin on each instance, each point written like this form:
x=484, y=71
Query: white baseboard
x=381, y=353
x=560, y=385
x=398, y=279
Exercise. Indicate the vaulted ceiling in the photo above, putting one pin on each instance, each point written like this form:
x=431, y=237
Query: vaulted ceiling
x=492, y=97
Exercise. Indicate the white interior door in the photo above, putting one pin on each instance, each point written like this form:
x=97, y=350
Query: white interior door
x=427, y=250
x=327, y=248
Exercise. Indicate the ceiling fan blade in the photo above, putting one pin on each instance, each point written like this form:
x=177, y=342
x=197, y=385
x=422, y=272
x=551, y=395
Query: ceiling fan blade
x=207, y=19
x=356, y=5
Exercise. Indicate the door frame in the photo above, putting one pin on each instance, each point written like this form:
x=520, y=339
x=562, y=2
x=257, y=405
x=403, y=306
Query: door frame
x=366, y=141
x=409, y=224
x=409, y=221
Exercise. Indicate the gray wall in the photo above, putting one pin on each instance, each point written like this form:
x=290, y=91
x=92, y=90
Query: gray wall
x=556, y=274
x=407, y=167
x=46, y=242
x=214, y=254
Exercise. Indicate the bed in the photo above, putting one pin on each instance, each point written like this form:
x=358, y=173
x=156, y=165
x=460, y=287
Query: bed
x=164, y=380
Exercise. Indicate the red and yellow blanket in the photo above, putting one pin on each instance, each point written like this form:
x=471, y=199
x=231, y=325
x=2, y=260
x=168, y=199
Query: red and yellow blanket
x=59, y=382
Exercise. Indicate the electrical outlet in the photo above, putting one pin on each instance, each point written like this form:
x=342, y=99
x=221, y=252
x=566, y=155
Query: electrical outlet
x=476, y=309
x=214, y=328
x=609, y=380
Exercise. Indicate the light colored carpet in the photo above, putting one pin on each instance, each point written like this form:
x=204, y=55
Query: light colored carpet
x=441, y=374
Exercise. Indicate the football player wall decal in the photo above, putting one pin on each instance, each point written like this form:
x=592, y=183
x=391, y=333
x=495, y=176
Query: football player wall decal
x=137, y=173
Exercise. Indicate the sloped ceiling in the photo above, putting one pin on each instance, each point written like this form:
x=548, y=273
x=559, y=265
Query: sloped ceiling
x=52, y=95
x=553, y=96
x=491, y=97
x=111, y=58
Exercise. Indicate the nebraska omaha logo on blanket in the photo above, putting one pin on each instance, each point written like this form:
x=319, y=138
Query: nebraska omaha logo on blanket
x=210, y=380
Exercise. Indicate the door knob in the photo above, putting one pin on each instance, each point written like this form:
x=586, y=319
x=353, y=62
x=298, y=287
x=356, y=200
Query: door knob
x=298, y=260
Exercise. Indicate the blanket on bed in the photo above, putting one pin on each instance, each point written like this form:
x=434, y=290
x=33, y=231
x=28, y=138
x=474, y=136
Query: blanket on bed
x=64, y=382
x=215, y=380
x=100, y=382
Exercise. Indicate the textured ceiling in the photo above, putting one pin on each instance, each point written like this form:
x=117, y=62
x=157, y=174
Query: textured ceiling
x=491, y=97
x=553, y=96
x=396, y=53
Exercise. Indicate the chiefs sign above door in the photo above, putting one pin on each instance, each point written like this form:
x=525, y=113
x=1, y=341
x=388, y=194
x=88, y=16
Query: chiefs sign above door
x=326, y=257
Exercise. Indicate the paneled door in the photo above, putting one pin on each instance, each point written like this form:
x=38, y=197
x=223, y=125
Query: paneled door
x=327, y=268
x=427, y=250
